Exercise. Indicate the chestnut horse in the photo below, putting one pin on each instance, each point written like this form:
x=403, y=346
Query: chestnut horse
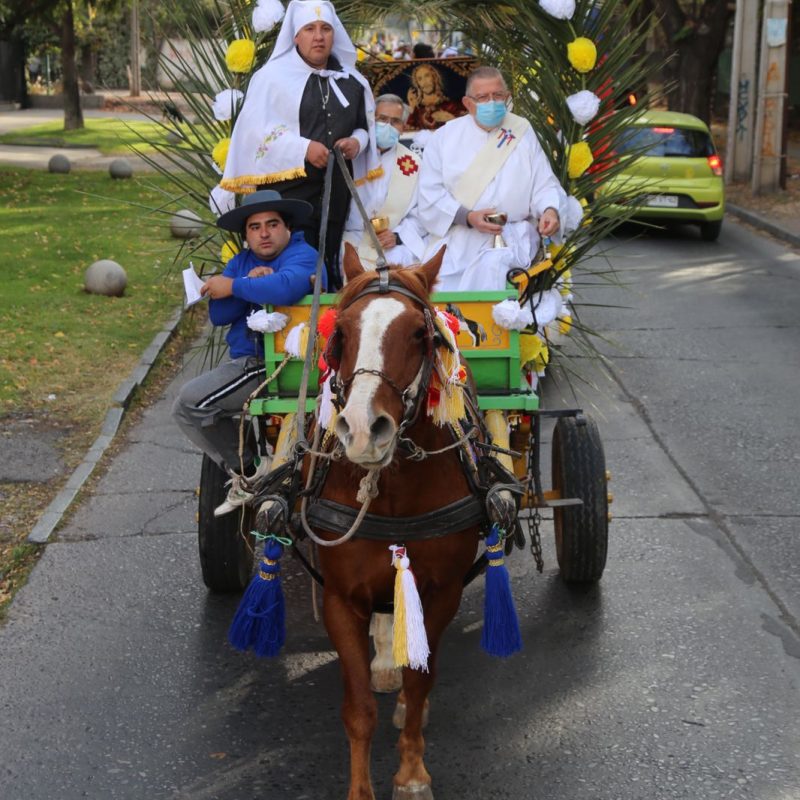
x=385, y=339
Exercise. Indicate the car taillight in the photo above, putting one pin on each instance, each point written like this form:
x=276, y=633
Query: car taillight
x=632, y=99
x=715, y=162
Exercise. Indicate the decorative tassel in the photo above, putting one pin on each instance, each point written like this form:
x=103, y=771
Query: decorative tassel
x=500, y=636
x=260, y=620
x=297, y=341
x=445, y=402
x=327, y=410
x=409, y=639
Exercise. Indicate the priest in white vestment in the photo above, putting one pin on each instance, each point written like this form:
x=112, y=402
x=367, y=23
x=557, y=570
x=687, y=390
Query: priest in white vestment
x=489, y=161
x=393, y=196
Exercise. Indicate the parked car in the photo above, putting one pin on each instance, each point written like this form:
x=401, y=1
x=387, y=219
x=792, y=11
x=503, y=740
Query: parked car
x=678, y=175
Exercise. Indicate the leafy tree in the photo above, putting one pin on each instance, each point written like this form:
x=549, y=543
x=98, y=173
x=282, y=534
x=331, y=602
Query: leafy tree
x=694, y=34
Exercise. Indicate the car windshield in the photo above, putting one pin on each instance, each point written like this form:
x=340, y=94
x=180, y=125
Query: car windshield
x=666, y=141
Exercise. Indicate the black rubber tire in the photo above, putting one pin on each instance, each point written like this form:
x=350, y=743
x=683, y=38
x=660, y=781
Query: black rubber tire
x=226, y=558
x=579, y=470
x=710, y=231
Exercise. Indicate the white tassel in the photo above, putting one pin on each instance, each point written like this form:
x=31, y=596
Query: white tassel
x=326, y=407
x=294, y=341
x=410, y=645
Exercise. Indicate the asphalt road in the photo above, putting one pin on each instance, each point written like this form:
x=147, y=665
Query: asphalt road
x=676, y=677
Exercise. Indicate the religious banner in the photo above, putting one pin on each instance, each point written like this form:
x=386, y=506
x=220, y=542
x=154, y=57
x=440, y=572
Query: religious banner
x=432, y=87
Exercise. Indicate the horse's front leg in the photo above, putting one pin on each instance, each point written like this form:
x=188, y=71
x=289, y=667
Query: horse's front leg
x=350, y=636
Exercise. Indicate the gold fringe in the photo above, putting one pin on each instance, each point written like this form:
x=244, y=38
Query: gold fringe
x=245, y=184
x=370, y=176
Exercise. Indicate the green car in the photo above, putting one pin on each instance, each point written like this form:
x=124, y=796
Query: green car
x=677, y=176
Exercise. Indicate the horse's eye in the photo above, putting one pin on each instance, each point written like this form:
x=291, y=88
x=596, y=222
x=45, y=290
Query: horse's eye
x=420, y=334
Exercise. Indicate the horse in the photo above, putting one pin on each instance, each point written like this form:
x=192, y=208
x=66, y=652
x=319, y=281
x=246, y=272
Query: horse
x=385, y=342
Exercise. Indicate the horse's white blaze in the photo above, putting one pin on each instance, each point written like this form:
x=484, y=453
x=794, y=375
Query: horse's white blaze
x=376, y=318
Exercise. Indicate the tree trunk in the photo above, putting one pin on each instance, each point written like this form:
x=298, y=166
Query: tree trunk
x=73, y=116
x=88, y=68
x=695, y=76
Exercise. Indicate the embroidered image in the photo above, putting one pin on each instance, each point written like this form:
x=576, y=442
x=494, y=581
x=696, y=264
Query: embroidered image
x=505, y=137
x=272, y=136
x=407, y=165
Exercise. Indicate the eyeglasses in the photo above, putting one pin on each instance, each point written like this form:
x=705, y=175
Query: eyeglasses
x=396, y=121
x=500, y=97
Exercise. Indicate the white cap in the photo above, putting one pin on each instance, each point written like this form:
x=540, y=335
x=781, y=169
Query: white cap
x=307, y=11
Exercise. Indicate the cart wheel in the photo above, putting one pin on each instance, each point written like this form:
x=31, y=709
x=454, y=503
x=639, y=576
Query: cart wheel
x=226, y=559
x=579, y=470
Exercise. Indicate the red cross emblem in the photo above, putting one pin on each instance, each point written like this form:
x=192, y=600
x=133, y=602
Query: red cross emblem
x=407, y=165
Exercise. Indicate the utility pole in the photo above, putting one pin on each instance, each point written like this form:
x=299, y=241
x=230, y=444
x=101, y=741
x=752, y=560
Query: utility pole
x=769, y=152
x=136, y=69
x=741, y=112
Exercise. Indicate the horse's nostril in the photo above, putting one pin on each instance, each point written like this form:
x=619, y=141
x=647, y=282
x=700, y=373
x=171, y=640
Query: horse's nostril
x=382, y=429
x=342, y=429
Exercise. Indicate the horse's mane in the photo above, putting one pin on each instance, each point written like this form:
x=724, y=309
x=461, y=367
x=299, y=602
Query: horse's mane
x=409, y=278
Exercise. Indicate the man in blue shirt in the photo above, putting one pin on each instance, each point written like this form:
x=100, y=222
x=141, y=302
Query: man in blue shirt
x=276, y=267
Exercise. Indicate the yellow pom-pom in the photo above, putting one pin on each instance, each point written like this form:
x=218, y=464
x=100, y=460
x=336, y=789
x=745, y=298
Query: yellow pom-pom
x=565, y=324
x=241, y=55
x=582, y=54
x=220, y=152
x=228, y=251
x=579, y=159
x=530, y=346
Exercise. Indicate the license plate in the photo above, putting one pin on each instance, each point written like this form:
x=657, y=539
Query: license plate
x=661, y=200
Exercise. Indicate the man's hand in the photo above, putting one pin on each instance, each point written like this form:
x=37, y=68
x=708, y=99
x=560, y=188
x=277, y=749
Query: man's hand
x=477, y=219
x=549, y=223
x=217, y=287
x=317, y=154
x=387, y=239
x=349, y=147
x=260, y=272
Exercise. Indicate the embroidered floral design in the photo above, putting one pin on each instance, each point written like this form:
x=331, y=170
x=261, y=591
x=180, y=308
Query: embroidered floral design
x=407, y=165
x=505, y=137
x=272, y=136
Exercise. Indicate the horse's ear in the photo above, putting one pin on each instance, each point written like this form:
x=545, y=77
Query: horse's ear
x=352, y=263
x=429, y=271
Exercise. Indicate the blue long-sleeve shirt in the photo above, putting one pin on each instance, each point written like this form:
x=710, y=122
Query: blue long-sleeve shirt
x=289, y=282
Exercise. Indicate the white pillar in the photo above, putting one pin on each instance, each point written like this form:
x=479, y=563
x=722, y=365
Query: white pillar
x=769, y=142
x=742, y=111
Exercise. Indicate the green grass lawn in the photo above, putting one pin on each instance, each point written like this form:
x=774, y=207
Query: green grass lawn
x=108, y=135
x=62, y=348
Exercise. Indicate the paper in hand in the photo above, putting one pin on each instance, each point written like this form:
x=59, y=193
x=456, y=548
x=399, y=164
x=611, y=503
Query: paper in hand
x=192, y=284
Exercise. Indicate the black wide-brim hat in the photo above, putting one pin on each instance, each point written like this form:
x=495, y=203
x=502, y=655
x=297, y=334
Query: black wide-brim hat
x=295, y=212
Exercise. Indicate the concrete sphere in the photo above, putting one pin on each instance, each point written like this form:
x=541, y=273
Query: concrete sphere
x=185, y=224
x=59, y=164
x=105, y=277
x=120, y=168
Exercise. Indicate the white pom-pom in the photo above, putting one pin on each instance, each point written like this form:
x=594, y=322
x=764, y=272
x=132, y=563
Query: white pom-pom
x=547, y=307
x=267, y=14
x=225, y=103
x=583, y=106
x=293, y=341
x=221, y=201
x=560, y=9
x=509, y=315
x=264, y=322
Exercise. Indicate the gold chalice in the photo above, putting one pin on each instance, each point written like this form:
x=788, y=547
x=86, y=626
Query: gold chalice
x=497, y=219
x=380, y=224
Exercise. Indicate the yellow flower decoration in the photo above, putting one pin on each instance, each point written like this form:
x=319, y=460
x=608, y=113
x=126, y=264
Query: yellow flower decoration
x=565, y=324
x=241, y=55
x=582, y=54
x=530, y=347
x=220, y=152
x=228, y=251
x=579, y=159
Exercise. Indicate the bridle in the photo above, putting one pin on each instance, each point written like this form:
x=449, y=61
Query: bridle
x=413, y=395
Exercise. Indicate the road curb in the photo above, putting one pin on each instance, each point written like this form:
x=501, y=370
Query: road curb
x=53, y=514
x=764, y=224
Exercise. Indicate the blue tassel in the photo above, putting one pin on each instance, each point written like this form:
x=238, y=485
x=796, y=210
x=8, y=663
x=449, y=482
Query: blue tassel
x=500, y=636
x=260, y=620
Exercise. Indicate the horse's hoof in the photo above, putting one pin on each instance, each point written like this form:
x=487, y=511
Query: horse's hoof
x=386, y=680
x=420, y=791
x=399, y=716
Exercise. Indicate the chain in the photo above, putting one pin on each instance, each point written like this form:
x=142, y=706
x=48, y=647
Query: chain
x=324, y=97
x=533, y=522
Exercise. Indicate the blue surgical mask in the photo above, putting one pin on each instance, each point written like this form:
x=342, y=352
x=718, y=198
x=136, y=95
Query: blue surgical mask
x=490, y=114
x=386, y=135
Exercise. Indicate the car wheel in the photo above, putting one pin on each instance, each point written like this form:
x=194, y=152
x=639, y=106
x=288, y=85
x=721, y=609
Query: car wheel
x=710, y=230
